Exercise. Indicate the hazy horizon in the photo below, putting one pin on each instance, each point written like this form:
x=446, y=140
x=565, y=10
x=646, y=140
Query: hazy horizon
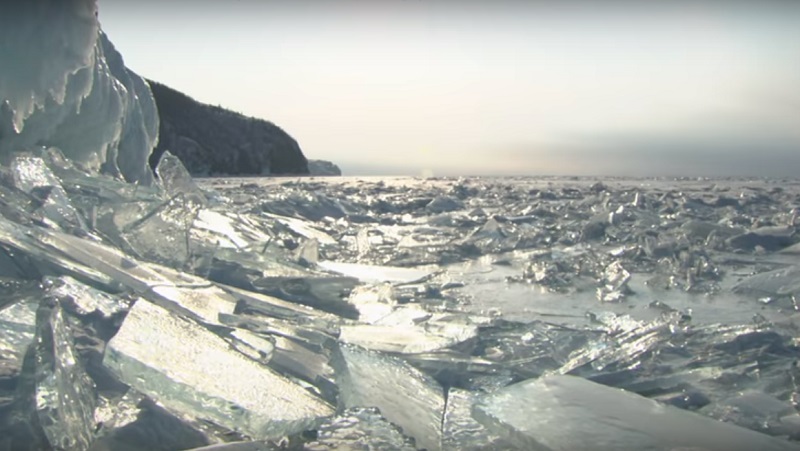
x=503, y=88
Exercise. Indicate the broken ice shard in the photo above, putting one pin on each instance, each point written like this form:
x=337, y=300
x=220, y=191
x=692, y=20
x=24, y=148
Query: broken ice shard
x=176, y=179
x=444, y=204
x=32, y=176
x=325, y=293
x=55, y=400
x=615, y=283
x=83, y=300
x=758, y=411
x=17, y=329
x=399, y=333
x=771, y=238
x=162, y=234
x=187, y=294
x=461, y=431
x=134, y=422
x=778, y=282
x=308, y=253
x=568, y=413
x=190, y=369
x=404, y=395
x=241, y=446
x=375, y=274
x=492, y=237
x=359, y=429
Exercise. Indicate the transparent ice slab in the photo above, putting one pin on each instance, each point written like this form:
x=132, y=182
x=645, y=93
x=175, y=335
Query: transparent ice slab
x=758, y=411
x=778, y=283
x=301, y=351
x=303, y=228
x=32, y=176
x=190, y=295
x=308, y=335
x=416, y=333
x=55, y=399
x=313, y=367
x=324, y=293
x=227, y=229
x=162, y=233
x=176, y=179
x=192, y=370
x=359, y=429
x=258, y=304
x=82, y=299
x=377, y=274
x=17, y=330
x=404, y=395
x=461, y=431
x=568, y=413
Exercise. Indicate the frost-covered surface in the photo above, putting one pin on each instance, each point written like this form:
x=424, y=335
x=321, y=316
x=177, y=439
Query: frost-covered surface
x=63, y=84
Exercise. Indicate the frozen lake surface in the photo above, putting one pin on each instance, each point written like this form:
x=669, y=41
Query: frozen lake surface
x=396, y=313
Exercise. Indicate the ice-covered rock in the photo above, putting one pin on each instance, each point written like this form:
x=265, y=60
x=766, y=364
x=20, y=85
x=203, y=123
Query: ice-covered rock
x=68, y=87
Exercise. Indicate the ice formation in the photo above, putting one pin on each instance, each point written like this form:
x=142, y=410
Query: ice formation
x=63, y=84
x=475, y=313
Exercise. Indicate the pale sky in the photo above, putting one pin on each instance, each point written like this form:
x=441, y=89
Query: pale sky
x=439, y=87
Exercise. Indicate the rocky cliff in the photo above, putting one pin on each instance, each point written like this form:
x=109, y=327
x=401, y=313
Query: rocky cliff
x=322, y=167
x=212, y=141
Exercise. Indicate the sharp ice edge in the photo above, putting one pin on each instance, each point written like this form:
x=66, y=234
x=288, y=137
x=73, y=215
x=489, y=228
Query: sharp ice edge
x=203, y=376
x=567, y=412
x=55, y=398
x=404, y=395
